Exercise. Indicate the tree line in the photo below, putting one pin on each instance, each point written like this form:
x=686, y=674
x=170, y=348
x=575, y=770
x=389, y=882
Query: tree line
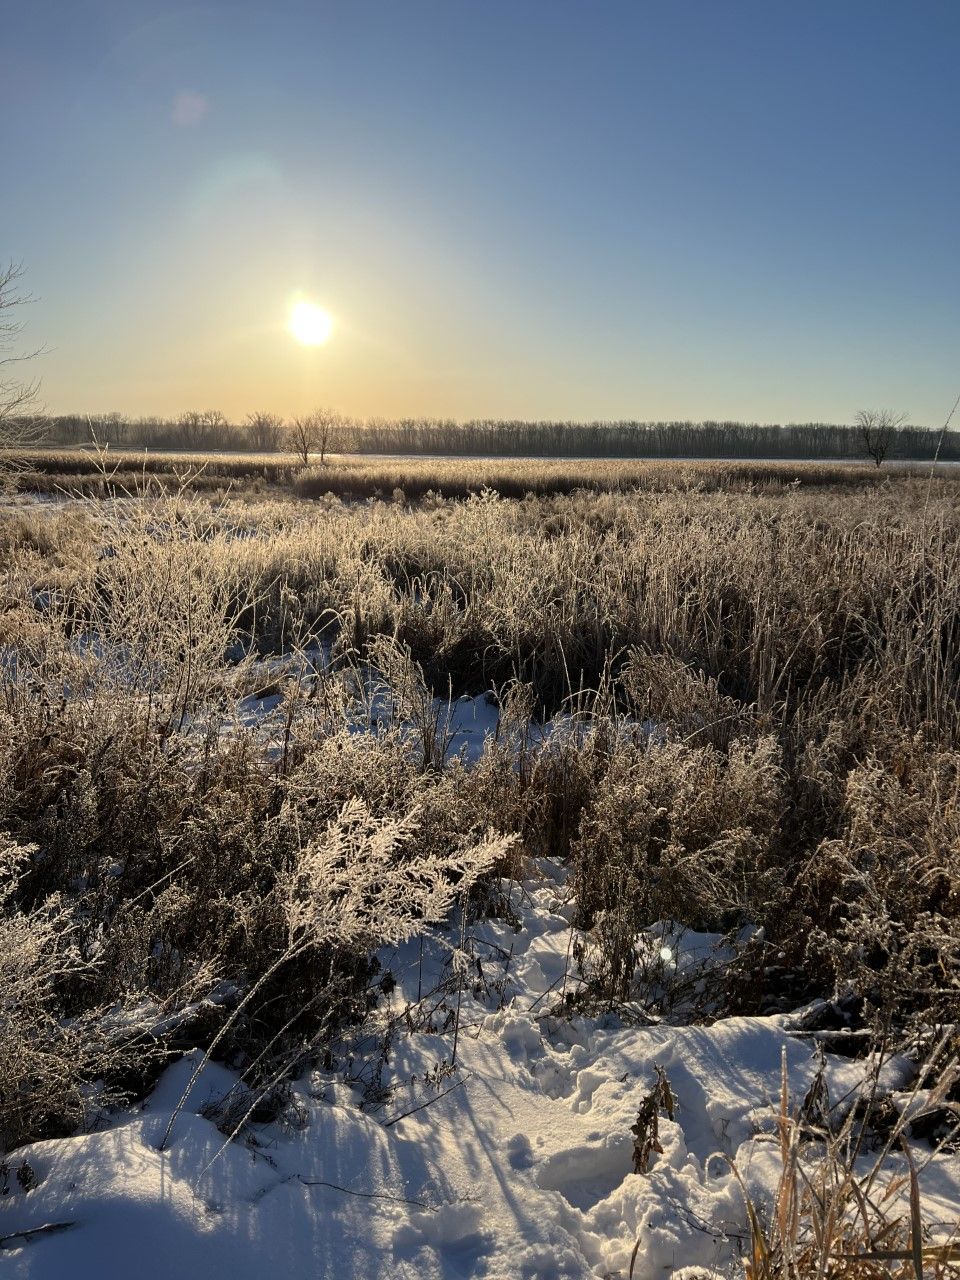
x=328, y=432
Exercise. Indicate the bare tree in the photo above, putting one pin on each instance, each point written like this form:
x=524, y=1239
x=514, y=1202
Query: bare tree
x=877, y=429
x=327, y=423
x=264, y=432
x=301, y=435
x=207, y=429
x=313, y=433
x=108, y=428
x=18, y=423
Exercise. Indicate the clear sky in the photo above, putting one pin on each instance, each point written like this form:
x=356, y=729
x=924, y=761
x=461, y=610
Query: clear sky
x=681, y=208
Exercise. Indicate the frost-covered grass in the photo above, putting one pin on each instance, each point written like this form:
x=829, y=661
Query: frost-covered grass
x=405, y=842
x=101, y=473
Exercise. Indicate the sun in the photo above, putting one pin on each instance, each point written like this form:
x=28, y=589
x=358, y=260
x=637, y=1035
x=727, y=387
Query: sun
x=310, y=324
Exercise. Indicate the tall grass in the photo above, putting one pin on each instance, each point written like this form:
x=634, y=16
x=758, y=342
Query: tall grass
x=754, y=695
x=103, y=473
x=838, y=1212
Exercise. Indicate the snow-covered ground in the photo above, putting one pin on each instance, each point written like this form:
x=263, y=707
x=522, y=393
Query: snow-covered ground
x=463, y=723
x=514, y=1162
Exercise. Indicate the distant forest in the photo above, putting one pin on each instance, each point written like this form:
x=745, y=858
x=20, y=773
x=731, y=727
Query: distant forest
x=488, y=438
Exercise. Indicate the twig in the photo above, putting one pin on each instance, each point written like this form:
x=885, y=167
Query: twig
x=429, y=1103
x=366, y=1195
x=543, y=994
x=936, y=456
x=456, y=1021
x=48, y=1228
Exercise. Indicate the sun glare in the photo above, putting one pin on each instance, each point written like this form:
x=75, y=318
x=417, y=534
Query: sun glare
x=310, y=324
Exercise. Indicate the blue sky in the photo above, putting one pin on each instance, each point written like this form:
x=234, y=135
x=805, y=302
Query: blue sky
x=677, y=209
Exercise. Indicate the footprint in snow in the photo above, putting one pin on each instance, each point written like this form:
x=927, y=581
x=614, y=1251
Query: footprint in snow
x=519, y=1152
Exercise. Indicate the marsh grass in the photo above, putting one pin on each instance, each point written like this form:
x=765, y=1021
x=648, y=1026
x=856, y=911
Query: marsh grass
x=356, y=477
x=836, y=1212
x=729, y=701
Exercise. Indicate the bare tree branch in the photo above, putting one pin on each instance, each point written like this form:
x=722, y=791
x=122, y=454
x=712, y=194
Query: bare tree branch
x=877, y=428
x=312, y=433
x=264, y=431
x=19, y=420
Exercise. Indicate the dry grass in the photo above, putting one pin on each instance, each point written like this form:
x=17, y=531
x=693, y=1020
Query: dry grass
x=755, y=686
x=835, y=1213
x=93, y=473
x=411, y=479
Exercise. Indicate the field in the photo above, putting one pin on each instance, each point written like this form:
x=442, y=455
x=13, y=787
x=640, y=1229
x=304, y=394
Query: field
x=89, y=472
x=457, y=868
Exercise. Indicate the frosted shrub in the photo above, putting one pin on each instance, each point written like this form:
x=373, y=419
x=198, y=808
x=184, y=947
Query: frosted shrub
x=675, y=833
x=884, y=900
x=455, y=805
x=413, y=703
x=163, y=608
x=669, y=692
x=46, y=1062
x=32, y=1049
x=382, y=770
x=361, y=884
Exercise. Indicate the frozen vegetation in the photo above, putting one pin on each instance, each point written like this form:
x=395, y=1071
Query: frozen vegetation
x=562, y=887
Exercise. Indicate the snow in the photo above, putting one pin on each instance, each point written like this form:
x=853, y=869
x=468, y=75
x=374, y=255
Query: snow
x=465, y=723
x=514, y=1162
